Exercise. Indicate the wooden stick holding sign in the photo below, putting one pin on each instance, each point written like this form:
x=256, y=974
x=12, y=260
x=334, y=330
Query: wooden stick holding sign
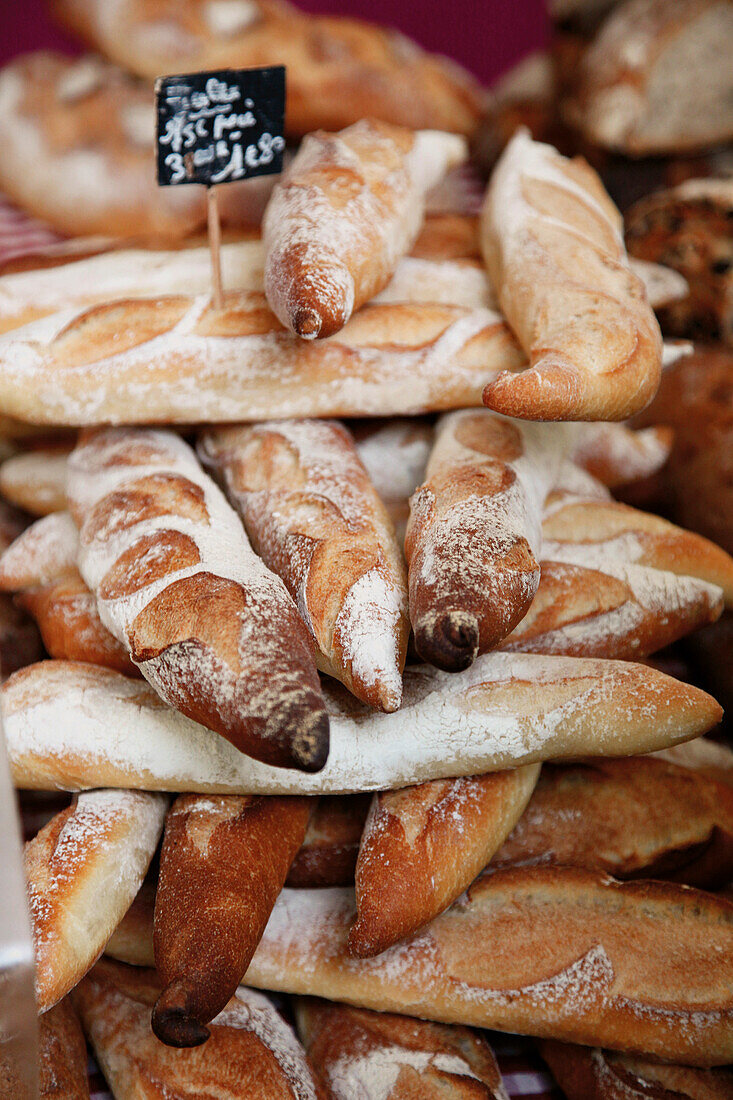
x=219, y=127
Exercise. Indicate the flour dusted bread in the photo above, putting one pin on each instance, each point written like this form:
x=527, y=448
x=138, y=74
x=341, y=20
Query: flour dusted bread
x=183, y=361
x=473, y=537
x=83, y=869
x=251, y=1052
x=65, y=119
x=437, y=837
x=615, y=456
x=222, y=865
x=633, y=818
x=552, y=241
x=657, y=80
x=36, y=480
x=395, y=1057
x=349, y=205
x=507, y=710
x=315, y=519
x=327, y=856
x=395, y=453
x=62, y=1055
x=178, y=584
x=585, y=1073
x=40, y=569
x=339, y=70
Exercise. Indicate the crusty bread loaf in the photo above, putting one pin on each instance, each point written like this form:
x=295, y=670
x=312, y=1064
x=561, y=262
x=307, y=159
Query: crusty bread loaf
x=688, y=228
x=40, y=568
x=316, y=520
x=345, y=210
x=83, y=870
x=327, y=856
x=394, y=1057
x=64, y=119
x=62, y=1055
x=507, y=710
x=710, y=758
x=176, y=581
x=657, y=80
x=339, y=70
x=585, y=1073
x=436, y=837
x=552, y=241
x=474, y=533
x=633, y=818
x=183, y=361
x=395, y=454
x=557, y=952
x=252, y=1051
x=616, y=456
x=36, y=480
x=223, y=862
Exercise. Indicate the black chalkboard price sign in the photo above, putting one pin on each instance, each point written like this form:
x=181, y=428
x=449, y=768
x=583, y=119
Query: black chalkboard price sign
x=219, y=127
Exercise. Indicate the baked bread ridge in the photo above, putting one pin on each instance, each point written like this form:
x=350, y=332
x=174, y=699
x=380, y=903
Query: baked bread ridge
x=315, y=519
x=341, y=70
x=409, y=1058
x=585, y=1073
x=83, y=870
x=62, y=1055
x=327, y=856
x=40, y=569
x=474, y=534
x=224, y=859
x=183, y=361
x=636, y=818
x=344, y=211
x=505, y=711
x=437, y=837
x=553, y=244
x=655, y=81
x=177, y=582
x=252, y=1051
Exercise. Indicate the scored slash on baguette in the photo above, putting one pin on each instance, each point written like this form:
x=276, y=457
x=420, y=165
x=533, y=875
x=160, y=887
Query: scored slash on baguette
x=506, y=710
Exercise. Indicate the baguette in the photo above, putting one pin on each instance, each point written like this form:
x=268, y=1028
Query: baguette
x=182, y=361
x=634, y=818
x=40, y=568
x=347, y=207
x=552, y=241
x=222, y=865
x=62, y=1055
x=83, y=869
x=395, y=455
x=339, y=70
x=316, y=521
x=177, y=583
x=507, y=710
x=656, y=79
x=328, y=854
x=252, y=1052
x=588, y=1074
x=437, y=837
x=710, y=758
x=615, y=455
x=473, y=536
x=394, y=1057
x=36, y=480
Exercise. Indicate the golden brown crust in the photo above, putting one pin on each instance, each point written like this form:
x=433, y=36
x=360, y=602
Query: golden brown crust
x=205, y=621
x=424, y=845
x=252, y=1052
x=327, y=856
x=222, y=865
x=316, y=521
x=633, y=818
x=347, y=208
x=62, y=1055
x=341, y=70
x=404, y=1059
x=552, y=242
x=83, y=870
x=585, y=1073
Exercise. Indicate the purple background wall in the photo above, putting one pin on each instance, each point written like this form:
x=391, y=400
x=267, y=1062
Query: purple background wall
x=485, y=35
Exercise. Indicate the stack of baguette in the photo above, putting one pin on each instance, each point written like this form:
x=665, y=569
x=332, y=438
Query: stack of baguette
x=338, y=620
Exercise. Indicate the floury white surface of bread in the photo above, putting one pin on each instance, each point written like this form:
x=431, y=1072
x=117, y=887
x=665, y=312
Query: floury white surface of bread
x=73, y=726
x=177, y=582
x=553, y=244
x=345, y=210
x=83, y=870
x=35, y=481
